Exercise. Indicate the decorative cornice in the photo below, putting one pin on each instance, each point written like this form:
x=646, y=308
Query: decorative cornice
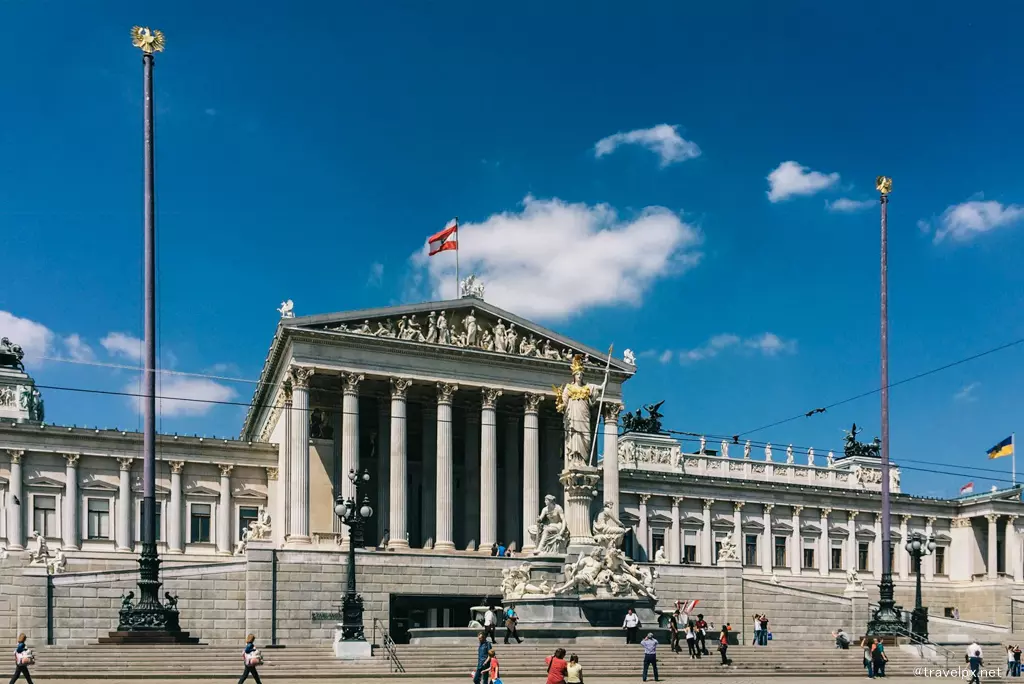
x=72, y=459
x=400, y=387
x=126, y=463
x=271, y=474
x=300, y=376
x=16, y=455
x=531, y=402
x=960, y=522
x=446, y=392
x=176, y=467
x=350, y=382
x=225, y=469
x=490, y=397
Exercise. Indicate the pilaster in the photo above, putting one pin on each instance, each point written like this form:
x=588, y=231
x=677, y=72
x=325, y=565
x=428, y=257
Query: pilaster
x=16, y=512
x=707, y=535
x=610, y=454
x=675, y=543
x=124, y=504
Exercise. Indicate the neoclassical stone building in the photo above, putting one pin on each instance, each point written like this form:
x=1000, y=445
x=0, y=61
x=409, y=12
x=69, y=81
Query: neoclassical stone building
x=450, y=406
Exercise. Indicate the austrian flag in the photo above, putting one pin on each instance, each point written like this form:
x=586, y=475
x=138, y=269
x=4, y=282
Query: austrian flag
x=446, y=239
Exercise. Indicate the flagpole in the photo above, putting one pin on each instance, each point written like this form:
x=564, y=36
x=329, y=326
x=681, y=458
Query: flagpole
x=458, y=244
x=1013, y=449
x=600, y=404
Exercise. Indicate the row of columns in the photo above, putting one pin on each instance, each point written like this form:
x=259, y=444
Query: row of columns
x=393, y=461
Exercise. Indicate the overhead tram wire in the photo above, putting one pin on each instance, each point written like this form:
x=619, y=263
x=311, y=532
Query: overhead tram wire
x=807, y=414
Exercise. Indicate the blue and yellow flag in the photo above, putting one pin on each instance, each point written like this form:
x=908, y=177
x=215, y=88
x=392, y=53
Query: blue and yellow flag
x=1004, y=448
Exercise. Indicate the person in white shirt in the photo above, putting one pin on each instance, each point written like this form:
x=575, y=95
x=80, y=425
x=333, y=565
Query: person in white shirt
x=631, y=624
x=490, y=623
x=757, y=629
x=974, y=660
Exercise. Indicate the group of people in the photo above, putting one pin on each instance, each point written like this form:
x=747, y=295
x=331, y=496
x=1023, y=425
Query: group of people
x=694, y=633
x=499, y=549
x=874, y=656
x=761, y=634
x=509, y=617
x=1013, y=661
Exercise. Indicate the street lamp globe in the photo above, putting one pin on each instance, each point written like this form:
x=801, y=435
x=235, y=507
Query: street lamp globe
x=366, y=476
x=931, y=545
x=340, y=508
x=366, y=512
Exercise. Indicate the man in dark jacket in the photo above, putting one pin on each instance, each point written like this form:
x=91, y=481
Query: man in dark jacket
x=481, y=656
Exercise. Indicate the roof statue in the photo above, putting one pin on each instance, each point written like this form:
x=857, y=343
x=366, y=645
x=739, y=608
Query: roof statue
x=854, y=448
x=287, y=309
x=629, y=357
x=11, y=355
x=636, y=422
x=148, y=41
x=471, y=286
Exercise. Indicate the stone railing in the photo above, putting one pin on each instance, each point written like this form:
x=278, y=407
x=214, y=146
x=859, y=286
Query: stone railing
x=661, y=453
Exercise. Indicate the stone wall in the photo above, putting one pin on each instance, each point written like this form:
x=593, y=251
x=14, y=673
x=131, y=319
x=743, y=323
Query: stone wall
x=799, y=616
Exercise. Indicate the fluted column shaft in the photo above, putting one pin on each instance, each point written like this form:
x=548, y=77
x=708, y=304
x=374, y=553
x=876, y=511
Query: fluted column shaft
x=796, y=556
x=399, y=465
x=174, y=510
x=768, y=550
x=675, y=543
x=737, y=532
x=349, y=437
x=124, y=504
x=993, y=536
x=708, y=536
x=383, y=467
x=1014, y=562
x=71, y=526
x=224, y=512
x=531, y=464
x=826, y=549
x=851, y=540
x=511, y=484
x=928, y=562
x=445, y=500
x=610, y=455
x=876, y=548
x=489, y=470
x=471, y=461
x=16, y=512
x=299, y=520
x=904, y=557
x=427, y=520
x=643, y=531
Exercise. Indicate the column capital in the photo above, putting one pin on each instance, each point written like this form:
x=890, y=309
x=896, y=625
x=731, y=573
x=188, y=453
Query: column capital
x=851, y=514
x=797, y=510
x=612, y=410
x=708, y=503
x=960, y=522
x=446, y=392
x=905, y=518
x=768, y=508
x=490, y=397
x=644, y=498
x=72, y=459
x=225, y=469
x=677, y=500
x=176, y=466
x=400, y=387
x=350, y=382
x=737, y=506
x=825, y=512
x=271, y=473
x=126, y=463
x=300, y=376
x=16, y=455
x=992, y=518
x=930, y=519
x=531, y=402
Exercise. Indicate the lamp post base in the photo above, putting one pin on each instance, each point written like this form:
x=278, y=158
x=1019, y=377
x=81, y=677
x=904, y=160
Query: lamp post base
x=149, y=620
x=887, y=620
x=350, y=650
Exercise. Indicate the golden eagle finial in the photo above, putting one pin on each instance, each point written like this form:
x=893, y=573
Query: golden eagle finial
x=883, y=184
x=146, y=40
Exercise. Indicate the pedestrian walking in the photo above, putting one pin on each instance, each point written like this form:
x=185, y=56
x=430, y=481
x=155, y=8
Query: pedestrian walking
x=483, y=646
x=723, y=643
x=650, y=645
x=878, y=658
x=702, y=633
x=974, y=660
x=673, y=627
x=558, y=669
x=511, y=624
x=631, y=624
x=574, y=671
x=251, y=657
x=493, y=672
x=490, y=624
x=757, y=630
x=22, y=659
x=691, y=641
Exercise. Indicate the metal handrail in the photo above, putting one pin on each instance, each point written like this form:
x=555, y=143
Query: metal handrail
x=918, y=640
x=390, y=652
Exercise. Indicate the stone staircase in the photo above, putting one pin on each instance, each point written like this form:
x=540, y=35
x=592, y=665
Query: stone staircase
x=519, y=662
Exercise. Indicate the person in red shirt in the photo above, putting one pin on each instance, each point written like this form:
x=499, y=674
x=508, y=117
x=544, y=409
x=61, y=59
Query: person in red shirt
x=557, y=667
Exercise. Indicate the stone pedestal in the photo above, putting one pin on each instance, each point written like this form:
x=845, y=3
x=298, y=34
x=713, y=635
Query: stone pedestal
x=350, y=650
x=580, y=484
x=20, y=401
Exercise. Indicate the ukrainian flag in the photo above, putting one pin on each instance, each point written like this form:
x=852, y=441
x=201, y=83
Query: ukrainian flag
x=1004, y=448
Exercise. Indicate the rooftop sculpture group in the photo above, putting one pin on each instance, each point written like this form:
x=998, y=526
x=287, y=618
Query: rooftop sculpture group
x=11, y=355
x=649, y=424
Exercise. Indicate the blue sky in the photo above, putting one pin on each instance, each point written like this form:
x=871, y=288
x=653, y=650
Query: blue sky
x=306, y=153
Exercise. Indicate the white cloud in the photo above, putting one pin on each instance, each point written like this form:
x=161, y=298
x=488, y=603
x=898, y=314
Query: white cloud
x=34, y=338
x=845, y=205
x=665, y=356
x=554, y=259
x=376, y=274
x=123, y=344
x=200, y=391
x=663, y=139
x=962, y=222
x=967, y=393
x=77, y=349
x=768, y=344
x=791, y=179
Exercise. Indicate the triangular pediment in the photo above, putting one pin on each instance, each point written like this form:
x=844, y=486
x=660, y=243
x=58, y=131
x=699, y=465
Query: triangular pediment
x=200, y=490
x=97, y=486
x=753, y=526
x=246, y=492
x=43, y=481
x=692, y=521
x=722, y=523
x=780, y=526
x=467, y=323
x=158, y=490
x=660, y=517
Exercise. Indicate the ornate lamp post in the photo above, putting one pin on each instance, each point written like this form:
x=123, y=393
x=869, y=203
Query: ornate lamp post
x=918, y=547
x=355, y=515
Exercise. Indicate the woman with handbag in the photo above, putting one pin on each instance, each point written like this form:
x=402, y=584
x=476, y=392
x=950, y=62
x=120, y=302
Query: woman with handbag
x=22, y=659
x=557, y=667
x=252, y=658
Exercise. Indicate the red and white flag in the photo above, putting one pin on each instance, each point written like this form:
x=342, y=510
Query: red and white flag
x=967, y=488
x=687, y=607
x=445, y=239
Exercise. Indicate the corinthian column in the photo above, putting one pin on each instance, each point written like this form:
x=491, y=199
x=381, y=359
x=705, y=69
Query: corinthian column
x=928, y=562
x=768, y=549
x=16, y=511
x=471, y=463
x=174, y=512
x=383, y=466
x=224, y=510
x=707, y=535
x=993, y=534
x=737, y=531
x=124, y=504
x=610, y=455
x=826, y=549
x=531, y=464
x=675, y=543
x=488, y=470
x=299, y=521
x=349, y=433
x=642, y=532
x=399, y=465
x=511, y=485
x=902, y=552
x=71, y=527
x=796, y=557
x=445, y=501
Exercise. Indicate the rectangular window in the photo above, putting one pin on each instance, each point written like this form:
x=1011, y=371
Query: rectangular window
x=837, y=558
x=863, y=553
x=780, y=552
x=45, y=516
x=98, y=524
x=690, y=547
x=657, y=542
x=809, y=559
x=200, y=523
x=246, y=515
x=750, y=550
x=940, y=560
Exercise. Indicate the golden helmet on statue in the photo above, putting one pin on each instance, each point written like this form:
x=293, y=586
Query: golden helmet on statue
x=577, y=364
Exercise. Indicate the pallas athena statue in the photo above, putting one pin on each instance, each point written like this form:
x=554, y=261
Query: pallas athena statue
x=574, y=401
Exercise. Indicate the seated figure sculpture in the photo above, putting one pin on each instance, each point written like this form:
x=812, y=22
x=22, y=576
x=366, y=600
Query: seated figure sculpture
x=583, y=574
x=550, y=534
x=608, y=531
